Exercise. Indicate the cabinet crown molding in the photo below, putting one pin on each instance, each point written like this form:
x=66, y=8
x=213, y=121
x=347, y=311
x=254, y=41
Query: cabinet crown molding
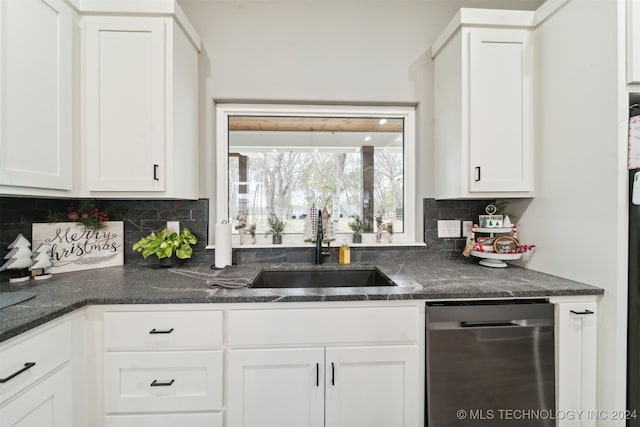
x=171, y=8
x=483, y=17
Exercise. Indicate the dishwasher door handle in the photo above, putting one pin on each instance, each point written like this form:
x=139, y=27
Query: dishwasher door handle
x=488, y=324
x=478, y=324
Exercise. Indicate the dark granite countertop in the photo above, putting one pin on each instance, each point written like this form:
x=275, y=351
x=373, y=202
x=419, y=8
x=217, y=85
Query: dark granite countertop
x=418, y=277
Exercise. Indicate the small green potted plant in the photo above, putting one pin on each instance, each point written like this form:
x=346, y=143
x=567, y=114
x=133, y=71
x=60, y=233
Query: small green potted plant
x=357, y=226
x=276, y=229
x=169, y=247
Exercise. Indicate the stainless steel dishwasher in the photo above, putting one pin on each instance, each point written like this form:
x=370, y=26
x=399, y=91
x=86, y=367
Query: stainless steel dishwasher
x=490, y=364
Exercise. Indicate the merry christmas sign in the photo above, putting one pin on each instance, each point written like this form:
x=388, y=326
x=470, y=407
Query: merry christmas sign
x=75, y=247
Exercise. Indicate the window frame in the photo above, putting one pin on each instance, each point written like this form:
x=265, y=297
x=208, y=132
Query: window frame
x=224, y=110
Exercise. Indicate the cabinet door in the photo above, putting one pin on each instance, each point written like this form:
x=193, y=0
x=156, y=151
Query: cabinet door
x=125, y=63
x=576, y=361
x=276, y=388
x=36, y=93
x=372, y=386
x=500, y=111
x=46, y=404
x=633, y=41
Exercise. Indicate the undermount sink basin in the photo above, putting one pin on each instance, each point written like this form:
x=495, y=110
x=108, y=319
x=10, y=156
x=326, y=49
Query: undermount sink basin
x=321, y=279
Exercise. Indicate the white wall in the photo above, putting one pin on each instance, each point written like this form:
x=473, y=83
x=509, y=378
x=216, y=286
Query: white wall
x=327, y=51
x=578, y=219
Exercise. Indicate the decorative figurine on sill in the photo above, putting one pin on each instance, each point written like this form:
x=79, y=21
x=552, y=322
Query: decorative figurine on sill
x=383, y=228
x=327, y=225
x=357, y=226
x=244, y=229
x=310, y=224
x=41, y=262
x=18, y=259
x=276, y=229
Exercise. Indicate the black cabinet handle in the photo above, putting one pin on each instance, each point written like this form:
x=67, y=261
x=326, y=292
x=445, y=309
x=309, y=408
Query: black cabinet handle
x=165, y=331
x=317, y=375
x=333, y=374
x=27, y=366
x=155, y=172
x=477, y=173
x=579, y=313
x=157, y=383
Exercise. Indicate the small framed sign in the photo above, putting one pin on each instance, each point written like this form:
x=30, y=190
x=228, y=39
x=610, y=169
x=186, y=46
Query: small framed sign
x=490, y=221
x=75, y=247
x=506, y=245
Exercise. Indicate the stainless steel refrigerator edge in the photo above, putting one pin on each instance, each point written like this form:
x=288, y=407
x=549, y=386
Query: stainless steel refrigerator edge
x=633, y=330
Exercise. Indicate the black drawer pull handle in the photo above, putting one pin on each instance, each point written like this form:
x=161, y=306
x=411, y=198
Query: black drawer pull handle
x=579, y=313
x=317, y=375
x=477, y=174
x=156, y=331
x=157, y=383
x=27, y=366
x=155, y=172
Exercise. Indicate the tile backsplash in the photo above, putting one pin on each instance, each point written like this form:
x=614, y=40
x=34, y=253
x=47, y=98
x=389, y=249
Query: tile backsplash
x=140, y=218
x=463, y=210
x=143, y=216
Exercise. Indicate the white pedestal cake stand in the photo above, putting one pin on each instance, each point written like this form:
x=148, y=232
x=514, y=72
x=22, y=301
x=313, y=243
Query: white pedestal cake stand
x=492, y=259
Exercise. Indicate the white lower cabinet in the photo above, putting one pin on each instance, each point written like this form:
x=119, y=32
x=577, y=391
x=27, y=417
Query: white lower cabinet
x=276, y=387
x=325, y=366
x=47, y=404
x=314, y=387
x=262, y=365
x=372, y=386
x=36, y=374
x=576, y=324
x=162, y=367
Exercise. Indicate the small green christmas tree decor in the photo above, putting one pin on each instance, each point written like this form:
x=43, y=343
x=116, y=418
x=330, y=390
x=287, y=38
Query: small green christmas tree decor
x=18, y=260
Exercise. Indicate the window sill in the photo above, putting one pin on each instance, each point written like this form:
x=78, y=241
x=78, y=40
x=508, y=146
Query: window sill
x=334, y=244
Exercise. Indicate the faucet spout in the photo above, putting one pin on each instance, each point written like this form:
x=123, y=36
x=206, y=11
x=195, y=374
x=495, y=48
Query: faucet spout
x=319, y=234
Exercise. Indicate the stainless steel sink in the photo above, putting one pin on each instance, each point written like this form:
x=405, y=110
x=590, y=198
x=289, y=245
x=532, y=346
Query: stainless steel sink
x=321, y=279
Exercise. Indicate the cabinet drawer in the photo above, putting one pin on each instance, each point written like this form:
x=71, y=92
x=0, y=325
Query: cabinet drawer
x=324, y=326
x=47, y=349
x=162, y=330
x=165, y=420
x=163, y=381
x=47, y=404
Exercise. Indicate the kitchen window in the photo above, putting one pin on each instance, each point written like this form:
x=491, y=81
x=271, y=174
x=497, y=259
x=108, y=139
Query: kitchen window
x=277, y=160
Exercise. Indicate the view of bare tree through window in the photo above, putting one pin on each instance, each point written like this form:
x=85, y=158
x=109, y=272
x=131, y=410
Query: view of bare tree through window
x=283, y=165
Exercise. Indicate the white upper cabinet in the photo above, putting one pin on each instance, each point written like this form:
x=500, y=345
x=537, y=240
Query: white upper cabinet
x=483, y=113
x=98, y=99
x=141, y=105
x=125, y=100
x=633, y=41
x=36, y=96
